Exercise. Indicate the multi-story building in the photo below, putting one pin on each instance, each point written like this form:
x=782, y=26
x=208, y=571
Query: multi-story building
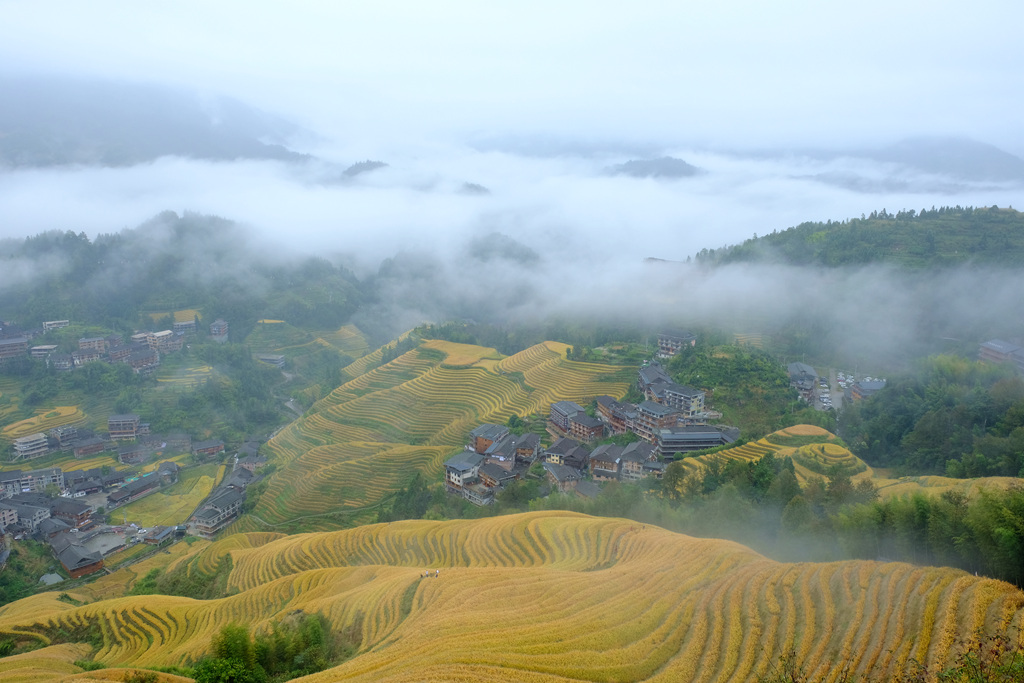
x=218, y=512
x=219, y=330
x=15, y=347
x=670, y=343
x=51, y=325
x=31, y=446
x=562, y=411
x=96, y=343
x=123, y=426
x=32, y=481
x=652, y=417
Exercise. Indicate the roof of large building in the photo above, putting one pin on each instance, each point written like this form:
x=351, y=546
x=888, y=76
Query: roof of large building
x=656, y=409
x=567, y=407
x=488, y=431
x=586, y=421
x=1000, y=346
x=801, y=369
x=609, y=453
x=464, y=461
x=638, y=451
x=561, y=473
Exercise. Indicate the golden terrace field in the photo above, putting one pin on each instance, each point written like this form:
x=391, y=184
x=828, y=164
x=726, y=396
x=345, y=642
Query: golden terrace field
x=46, y=419
x=373, y=433
x=815, y=451
x=552, y=596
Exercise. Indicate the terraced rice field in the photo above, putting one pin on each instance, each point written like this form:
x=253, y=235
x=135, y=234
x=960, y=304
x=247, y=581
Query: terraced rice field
x=348, y=339
x=187, y=377
x=555, y=597
x=47, y=419
x=174, y=504
x=814, y=459
x=372, y=434
x=183, y=316
x=810, y=460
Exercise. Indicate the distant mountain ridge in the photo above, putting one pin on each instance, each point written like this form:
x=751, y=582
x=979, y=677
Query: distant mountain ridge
x=663, y=167
x=56, y=122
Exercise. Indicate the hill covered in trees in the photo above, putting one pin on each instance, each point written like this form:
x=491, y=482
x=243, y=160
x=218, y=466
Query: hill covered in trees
x=927, y=239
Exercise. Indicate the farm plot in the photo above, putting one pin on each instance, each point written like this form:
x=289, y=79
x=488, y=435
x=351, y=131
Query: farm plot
x=373, y=433
x=175, y=503
x=47, y=419
x=348, y=339
x=656, y=606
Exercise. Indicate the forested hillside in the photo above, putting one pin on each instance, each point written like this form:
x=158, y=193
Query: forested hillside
x=950, y=415
x=929, y=238
x=171, y=262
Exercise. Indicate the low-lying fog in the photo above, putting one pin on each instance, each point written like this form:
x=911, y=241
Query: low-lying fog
x=565, y=205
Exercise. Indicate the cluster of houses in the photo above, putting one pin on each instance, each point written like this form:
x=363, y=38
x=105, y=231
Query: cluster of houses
x=141, y=351
x=126, y=434
x=28, y=507
x=670, y=421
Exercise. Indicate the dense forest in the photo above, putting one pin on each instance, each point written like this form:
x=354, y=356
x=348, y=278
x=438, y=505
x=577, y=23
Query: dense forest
x=747, y=385
x=171, y=262
x=949, y=416
x=915, y=239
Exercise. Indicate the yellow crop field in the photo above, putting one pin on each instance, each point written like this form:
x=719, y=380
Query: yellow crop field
x=188, y=376
x=348, y=339
x=555, y=596
x=815, y=451
x=373, y=433
x=48, y=418
x=174, y=504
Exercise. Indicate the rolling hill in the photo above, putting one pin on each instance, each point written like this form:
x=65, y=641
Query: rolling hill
x=815, y=451
x=389, y=421
x=539, y=597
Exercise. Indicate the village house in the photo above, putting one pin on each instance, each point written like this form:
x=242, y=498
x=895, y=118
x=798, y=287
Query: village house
x=461, y=468
x=495, y=477
x=568, y=452
x=42, y=351
x=858, y=391
x=633, y=458
x=652, y=417
x=606, y=462
x=185, y=327
x=563, y=478
x=123, y=427
x=618, y=416
x=31, y=446
x=210, y=447
x=999, y=351
x=803, y=378
x=159, y=535
x=585, y=428
x=75, y=514
x=65, y=436
x=251, y=462
x=79, y=358
x=132, y=491
x=133, y=454
x=689, y=438
x=671, y=343
x=219, y=330
x=98, y=344
x=51, y=325
x=34, y=481
x=143, y=362
x=562, y=411
x=219, y=511
x=8, y=515
x=76, y=560
x=485, y=435
x=89, y=446
x=13, y=347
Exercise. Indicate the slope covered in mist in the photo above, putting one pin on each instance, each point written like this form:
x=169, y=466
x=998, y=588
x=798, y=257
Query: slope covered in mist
x=548, y=597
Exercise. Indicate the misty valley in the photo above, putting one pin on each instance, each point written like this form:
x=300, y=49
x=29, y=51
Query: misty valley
x=500, y=407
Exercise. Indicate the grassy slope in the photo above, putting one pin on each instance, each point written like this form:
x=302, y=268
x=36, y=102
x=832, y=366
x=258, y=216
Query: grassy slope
x=556, y=597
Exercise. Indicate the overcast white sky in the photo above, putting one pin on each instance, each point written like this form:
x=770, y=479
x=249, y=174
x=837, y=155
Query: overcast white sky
x=728, y=73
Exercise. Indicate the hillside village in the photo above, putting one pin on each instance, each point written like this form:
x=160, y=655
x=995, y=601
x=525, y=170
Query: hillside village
x=67, y=509
x=672, y=420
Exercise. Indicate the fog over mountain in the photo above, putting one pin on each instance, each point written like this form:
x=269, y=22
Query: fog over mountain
x=417, y=134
